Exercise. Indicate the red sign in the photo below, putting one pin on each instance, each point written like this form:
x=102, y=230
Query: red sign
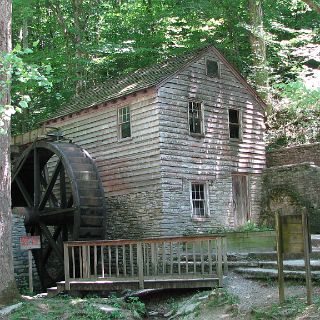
x=30, y=242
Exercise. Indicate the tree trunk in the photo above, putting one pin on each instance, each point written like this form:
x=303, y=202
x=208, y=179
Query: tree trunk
x=258, y=47
x=8, y=290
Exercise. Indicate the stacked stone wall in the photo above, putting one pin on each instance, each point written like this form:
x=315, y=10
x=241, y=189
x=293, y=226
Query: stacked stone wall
x=20, y=257
x=294, y=155
x=134, y=215
x=292, y=189
x=291, y=183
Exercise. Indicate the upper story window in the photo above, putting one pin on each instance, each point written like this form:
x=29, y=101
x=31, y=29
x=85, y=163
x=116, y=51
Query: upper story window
x=124, y=125
x=212, y=68
x=234, y=124
x=199, y=201
x=195, y=117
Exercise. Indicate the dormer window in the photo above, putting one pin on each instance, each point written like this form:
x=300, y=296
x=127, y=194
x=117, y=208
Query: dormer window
x=212, y=68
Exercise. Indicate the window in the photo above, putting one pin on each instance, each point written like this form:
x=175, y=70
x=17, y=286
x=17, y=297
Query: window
x=198, y=198
x=234, y=124
x=195, y=117
x=124, y=126
x=212, y=68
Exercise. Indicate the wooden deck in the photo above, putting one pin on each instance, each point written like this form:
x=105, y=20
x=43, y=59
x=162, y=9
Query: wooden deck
x=157, y=263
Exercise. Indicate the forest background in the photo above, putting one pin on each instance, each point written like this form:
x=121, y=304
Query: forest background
x=77, y=44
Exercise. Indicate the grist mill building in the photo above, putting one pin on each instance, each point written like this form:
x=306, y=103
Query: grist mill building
x=179, y=146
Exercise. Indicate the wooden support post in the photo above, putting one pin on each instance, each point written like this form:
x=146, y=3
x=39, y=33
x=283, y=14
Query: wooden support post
x=95, y=261
x=225, y=256
x=140, y=265
x=219, y=261
x=131, y=260
x=66, y=266
x=102, y=261
x=307, y=256
x=73, y=263
x=210, y=256
x=30, y=270
x=280, y=258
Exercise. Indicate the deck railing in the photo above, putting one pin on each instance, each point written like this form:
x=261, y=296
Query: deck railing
x=172, y=257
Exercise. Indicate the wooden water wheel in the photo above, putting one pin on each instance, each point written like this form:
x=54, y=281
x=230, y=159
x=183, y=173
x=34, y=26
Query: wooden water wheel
x=57, y=187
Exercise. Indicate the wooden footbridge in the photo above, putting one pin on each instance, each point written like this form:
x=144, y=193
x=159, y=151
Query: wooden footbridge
x=164, y=263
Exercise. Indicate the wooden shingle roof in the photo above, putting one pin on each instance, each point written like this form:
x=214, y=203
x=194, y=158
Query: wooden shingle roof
x=117, y=87
x=139, y=80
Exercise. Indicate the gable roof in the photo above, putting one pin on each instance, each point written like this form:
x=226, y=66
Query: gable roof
x=139, y=80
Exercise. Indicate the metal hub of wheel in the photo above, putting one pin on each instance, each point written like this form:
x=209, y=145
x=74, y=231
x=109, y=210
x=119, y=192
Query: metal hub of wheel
x=57, y=187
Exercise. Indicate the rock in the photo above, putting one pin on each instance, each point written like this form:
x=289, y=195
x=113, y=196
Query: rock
x=186, y=309
x=153, y=313
x=5, y=311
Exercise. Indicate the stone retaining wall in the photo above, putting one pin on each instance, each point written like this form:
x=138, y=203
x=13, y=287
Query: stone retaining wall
x=247, y=242
x=20, y=257
x=292, y=189
x=293, y=155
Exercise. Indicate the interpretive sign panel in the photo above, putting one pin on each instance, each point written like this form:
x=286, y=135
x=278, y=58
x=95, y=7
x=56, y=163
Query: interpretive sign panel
x=30, y=242
x=293, y=236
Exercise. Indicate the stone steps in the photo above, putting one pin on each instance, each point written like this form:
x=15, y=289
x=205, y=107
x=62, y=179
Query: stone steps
x=263, y=265
x=54, y=291
x=260, y=273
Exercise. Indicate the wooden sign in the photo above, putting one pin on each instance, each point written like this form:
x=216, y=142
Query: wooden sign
x=293, y=236
x=30, y=242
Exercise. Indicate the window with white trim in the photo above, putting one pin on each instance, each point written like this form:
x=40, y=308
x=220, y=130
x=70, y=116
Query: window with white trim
x=199, y=200
x=234, y=124
x=195, y=117
x=124, y=125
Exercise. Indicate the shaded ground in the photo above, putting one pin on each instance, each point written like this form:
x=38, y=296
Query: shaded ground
x=240, y=299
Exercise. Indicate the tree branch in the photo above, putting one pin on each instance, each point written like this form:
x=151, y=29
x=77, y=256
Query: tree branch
x=312, y=5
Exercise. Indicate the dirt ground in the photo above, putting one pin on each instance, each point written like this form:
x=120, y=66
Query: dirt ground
x=241, y=298
x=252, y=295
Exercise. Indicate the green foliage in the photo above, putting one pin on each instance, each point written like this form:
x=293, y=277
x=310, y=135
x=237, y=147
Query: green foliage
x=18, y=71
x=86, y=42
x=137, y=307
x=65, y=307
x=296, y=119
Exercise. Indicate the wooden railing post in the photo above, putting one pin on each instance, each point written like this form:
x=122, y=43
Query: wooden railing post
x=225, y=256
x=140, y=264
x=219, y=261
x=66, y=266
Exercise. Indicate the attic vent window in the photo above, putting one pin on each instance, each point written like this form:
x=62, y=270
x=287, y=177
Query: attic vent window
x=212, y=69
x=234, y=124
x=124, y=127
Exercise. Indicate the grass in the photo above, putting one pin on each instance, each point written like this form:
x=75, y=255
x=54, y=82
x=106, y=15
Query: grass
x=68, y=308
x=292, y=307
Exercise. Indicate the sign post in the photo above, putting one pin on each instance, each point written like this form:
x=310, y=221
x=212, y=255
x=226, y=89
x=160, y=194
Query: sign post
x=293, y=237
x=29, y=243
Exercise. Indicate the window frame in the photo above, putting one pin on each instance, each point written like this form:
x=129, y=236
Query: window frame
x=120, y=123
x=201, y=133
x=205, y=200
x=239, y=124
x=218, y=76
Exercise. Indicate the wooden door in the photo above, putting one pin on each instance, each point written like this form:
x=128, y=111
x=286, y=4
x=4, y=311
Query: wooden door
x=241, y=209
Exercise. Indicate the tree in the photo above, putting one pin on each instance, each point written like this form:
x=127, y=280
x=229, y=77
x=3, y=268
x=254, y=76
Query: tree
x=259, y=50
x=8, y=290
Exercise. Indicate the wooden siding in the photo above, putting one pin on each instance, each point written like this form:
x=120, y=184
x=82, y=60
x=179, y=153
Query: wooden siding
x=212, y=157
x=128, y=165
x=212, y=154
